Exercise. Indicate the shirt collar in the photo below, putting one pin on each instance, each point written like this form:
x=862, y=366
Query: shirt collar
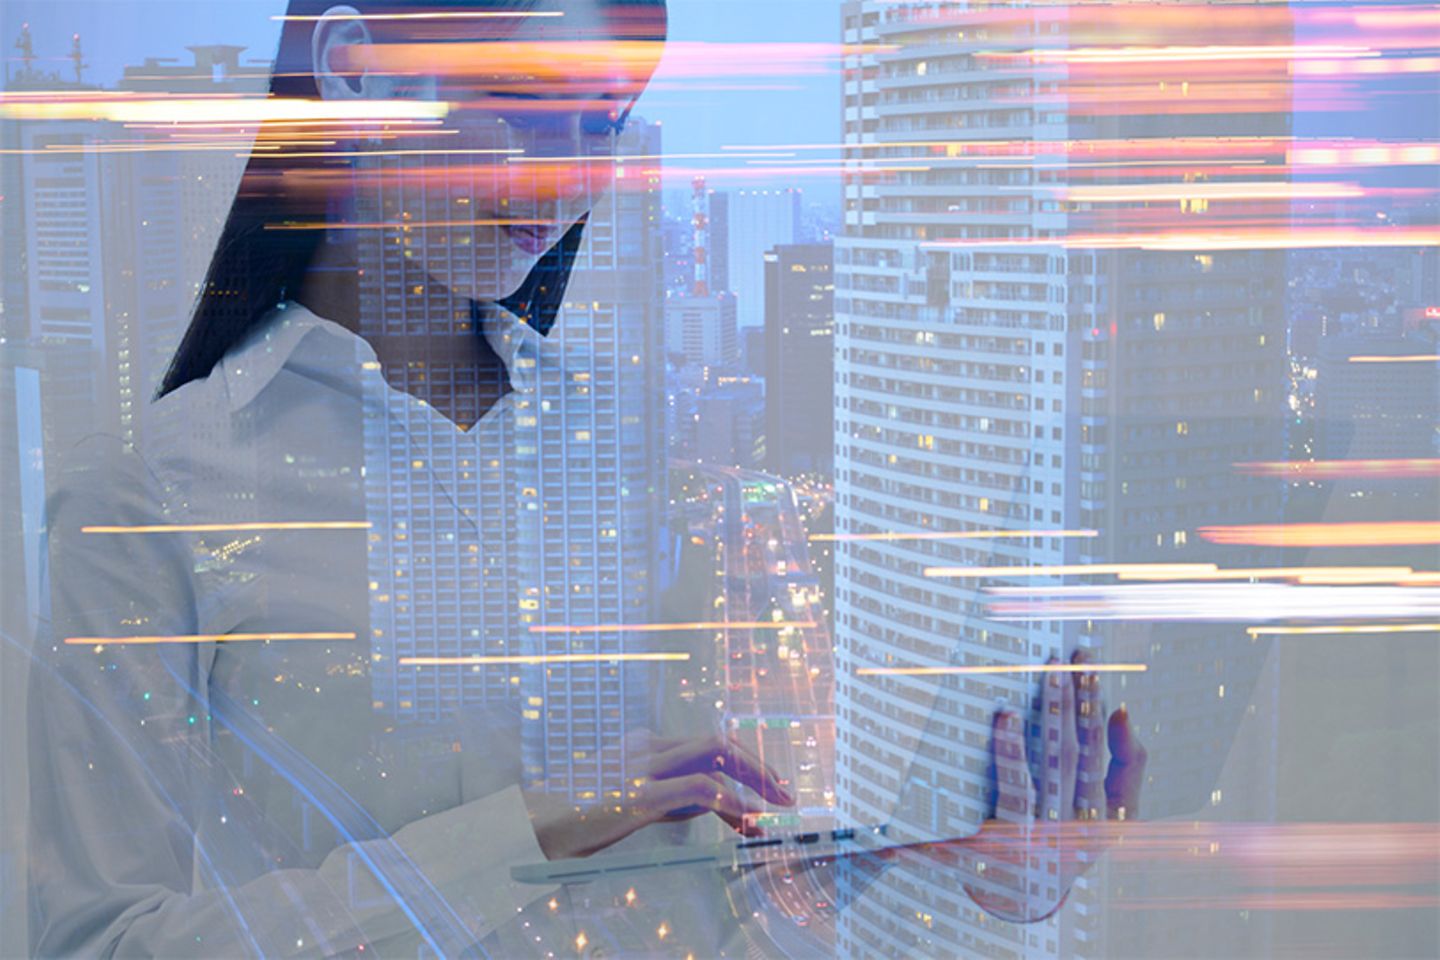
x=253, y=363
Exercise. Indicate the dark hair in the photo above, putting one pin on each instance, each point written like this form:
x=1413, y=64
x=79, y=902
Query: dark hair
x=254, y=268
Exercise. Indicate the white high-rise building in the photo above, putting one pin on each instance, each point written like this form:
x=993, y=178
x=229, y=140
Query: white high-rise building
x=989, y=380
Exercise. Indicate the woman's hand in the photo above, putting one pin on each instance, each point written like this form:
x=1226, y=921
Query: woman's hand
x=1021, y=864
x=681, y=779
x=1024, y=860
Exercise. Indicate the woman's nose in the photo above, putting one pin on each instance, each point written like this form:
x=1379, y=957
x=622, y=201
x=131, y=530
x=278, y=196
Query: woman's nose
x=559, y=144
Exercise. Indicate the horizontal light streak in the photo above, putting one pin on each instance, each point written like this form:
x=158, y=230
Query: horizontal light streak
x=1191, y=54
x=1075, y=569
x=238, y=146
x=623, y=63
x=1418, y=467
x=1278, y=238
x=1345, y=628
x=1001, y=669
x=404, y=152
x=1303, y=574
x=1408, y=358
x=1383, y=534
x=541, y=659
x=197, y=109
x=622, y=159
x=411, y=224
x=435, y=15
x=663, y=627
x=1366, y=155
x=947, y=535
x=1214, y=602
x=204, y=638
x=247, y=527
x=1137, y=193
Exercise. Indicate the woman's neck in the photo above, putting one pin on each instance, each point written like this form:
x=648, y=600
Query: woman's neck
x=452, y=367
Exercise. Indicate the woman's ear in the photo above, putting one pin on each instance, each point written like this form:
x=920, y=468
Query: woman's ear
x=338, y=77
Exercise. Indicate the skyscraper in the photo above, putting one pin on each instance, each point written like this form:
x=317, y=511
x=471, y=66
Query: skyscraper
x=993, y=375
x=799, y=358
x=567, y=495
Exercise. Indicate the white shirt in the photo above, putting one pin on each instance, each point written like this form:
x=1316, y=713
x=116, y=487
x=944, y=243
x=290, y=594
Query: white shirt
x=218, y=796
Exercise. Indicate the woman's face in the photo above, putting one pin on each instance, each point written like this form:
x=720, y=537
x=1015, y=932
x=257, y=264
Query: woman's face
x=536, y=110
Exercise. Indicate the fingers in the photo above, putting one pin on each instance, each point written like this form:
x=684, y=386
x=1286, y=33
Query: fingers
x=1127, y=769
x=1015, y=790
x=695, y=794
x=1061, y=753
x=1090, y=728
x=725, y=755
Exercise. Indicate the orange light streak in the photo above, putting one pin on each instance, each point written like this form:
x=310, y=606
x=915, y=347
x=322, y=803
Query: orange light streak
x=1419, y=467
x=1000, y=669
x=1136, y=193
x=203, y=109
x=527, y=659
x=1169, y=570
x=947, y=535
x=1411, y=358
x=204, y=638
x=416, y=152
x=1190, y=54
x=436, y=15
x=1344, y=628
x=1386, y=534
x=663, y=627
x=233, y=527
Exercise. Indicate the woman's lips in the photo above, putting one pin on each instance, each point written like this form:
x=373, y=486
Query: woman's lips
x=534, y=240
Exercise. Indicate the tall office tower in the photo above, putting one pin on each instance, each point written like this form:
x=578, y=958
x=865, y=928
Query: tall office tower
x=601, y=493
x=719, y=218
x=800, y=358
x=566, y=496
x=756, y=221
x=989, y=380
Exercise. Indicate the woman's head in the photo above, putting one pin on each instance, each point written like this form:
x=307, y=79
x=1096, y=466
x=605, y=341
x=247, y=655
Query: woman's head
x=537, y=92
x=476, y=134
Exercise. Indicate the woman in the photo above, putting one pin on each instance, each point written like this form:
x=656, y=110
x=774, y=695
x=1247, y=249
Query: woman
x=233, y=751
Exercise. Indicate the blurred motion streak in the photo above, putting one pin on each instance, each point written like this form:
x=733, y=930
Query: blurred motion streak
x=217, y=109
x=544, y=658
x=1344, y=628
x=947, y=535
x=1002, y=669
x=1075, y=569
x=662, y=627
x=235, y=527
x=1383, y=534
x=1212, y=602
x=1412, y=358
x=1328, y=469
x=204, y=638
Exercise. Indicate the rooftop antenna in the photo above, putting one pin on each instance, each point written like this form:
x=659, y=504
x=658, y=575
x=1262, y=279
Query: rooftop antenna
x=77, y=58
x=26, y=45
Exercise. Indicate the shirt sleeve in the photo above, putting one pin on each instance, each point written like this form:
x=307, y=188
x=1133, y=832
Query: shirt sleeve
x=121, y=774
